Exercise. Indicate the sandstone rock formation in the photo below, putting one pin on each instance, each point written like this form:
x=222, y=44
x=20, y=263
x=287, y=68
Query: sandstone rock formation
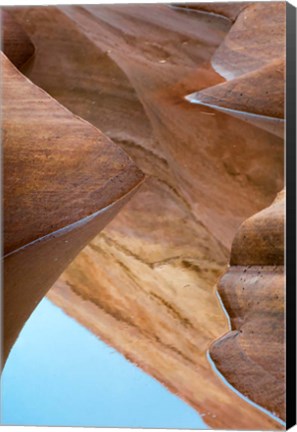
x=47, y=153
x=16, y=44
x=252, y=59
x=146, y=285
x=252, y=355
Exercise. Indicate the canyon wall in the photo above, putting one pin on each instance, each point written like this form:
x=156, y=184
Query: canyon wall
x=147, y=284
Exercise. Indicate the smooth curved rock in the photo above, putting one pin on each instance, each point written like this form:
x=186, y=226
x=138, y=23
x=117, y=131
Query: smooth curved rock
x=229, y=10
x=256, y=39
x=260, y=92
x=129, y=86
x=252, y=59
x=146, y=284
x=260, y=240
x=16, y=44
x=63, y=181
x=252, y=355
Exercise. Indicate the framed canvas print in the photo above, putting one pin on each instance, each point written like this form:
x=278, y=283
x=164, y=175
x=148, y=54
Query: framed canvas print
x=148, y=218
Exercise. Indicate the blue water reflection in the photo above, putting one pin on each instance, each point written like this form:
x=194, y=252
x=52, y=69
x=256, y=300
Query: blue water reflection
x=60, y=374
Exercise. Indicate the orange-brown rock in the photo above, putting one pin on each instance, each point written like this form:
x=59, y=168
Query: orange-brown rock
x=252, y=59
x=138, y=100
x=63, y=181
x=260, y=240
x=252, y=355
x=260, y=92
x=16, y=44
x=256, y=39
x=145, y=285
x=227, y=9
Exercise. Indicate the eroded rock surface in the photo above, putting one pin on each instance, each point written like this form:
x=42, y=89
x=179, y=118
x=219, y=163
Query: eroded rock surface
x=252, y=59
x=16, y=43
x=63, y=181
x=252, y=355
x=146, y=284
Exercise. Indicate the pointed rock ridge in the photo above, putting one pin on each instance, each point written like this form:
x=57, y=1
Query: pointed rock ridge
x=245, y=95
x=111, y=39
x=252, y=59
x=262, y=106
x=227, y=10
x=63, y=181
x=146, y=284
x=252, y=355
x=256, y=39
x=16, y=44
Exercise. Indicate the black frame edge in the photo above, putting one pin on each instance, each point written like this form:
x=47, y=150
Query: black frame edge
x=290, y=216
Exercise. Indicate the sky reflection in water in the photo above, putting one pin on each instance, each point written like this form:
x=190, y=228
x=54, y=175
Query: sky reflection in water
x=60, y=374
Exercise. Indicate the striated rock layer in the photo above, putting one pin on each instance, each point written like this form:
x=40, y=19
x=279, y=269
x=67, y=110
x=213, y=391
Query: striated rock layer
x=16, y=44
x=47, y=153
x=146, y=284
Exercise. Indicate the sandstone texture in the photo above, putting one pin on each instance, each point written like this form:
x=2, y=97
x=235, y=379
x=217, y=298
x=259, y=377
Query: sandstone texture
x=47, y=153
x=252, y=355
x=147, y=284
